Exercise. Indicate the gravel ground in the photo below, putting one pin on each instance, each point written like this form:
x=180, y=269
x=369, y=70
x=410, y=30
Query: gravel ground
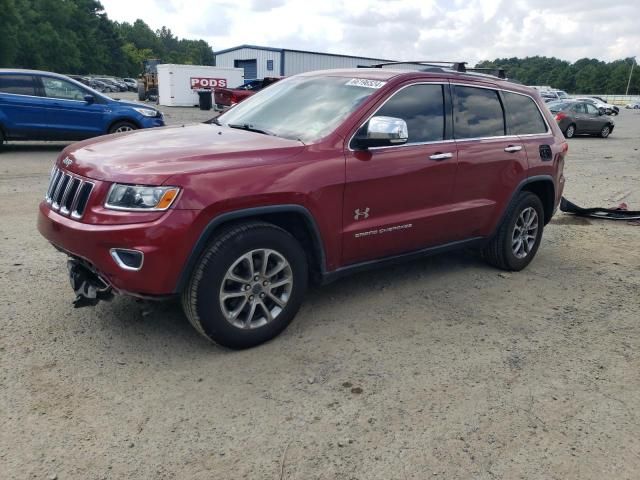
x=443, y=368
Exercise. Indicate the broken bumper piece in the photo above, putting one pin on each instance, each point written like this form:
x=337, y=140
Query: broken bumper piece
x=88, y=286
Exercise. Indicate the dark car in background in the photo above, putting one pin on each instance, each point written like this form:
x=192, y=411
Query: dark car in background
x=580, y=117
x=37, y=105
x=228, y=97
x=112, y=84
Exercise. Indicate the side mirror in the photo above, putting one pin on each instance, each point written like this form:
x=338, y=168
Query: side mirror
x=601, y=111
x=382, y=132
x=89, y=99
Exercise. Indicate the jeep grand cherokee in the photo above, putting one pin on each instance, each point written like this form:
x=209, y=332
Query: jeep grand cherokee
x=321, y=174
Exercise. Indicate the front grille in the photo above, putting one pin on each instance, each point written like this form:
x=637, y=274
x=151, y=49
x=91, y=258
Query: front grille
x=68, y=194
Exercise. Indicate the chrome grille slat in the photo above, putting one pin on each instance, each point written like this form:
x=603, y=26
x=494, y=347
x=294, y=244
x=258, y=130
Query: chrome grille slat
x=57, y=196
x=55, y=178
x=68, y=194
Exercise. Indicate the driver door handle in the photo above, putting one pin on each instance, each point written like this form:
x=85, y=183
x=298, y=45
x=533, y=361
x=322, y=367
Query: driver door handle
x=513, y=148
x=440, y=156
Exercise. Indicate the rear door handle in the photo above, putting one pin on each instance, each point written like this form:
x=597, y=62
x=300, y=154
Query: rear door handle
x=440, y=156
x=513, y=148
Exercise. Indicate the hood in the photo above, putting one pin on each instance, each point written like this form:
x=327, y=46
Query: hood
x=151, y=156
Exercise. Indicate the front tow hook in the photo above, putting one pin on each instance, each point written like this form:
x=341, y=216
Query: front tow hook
x=88, y=287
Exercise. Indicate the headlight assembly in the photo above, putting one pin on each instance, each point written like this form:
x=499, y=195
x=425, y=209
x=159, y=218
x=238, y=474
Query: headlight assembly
x=140, y=197
x=147, y=112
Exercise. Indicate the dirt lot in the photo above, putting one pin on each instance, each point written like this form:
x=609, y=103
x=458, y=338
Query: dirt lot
x=444, y=368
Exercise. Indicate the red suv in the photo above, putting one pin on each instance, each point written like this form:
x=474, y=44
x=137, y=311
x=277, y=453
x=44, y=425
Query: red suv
x=320, y=175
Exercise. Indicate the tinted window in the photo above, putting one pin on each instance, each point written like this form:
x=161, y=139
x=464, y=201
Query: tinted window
x=524, y=116
x=56, y=88
x=18, y=84
x=422, y=107
x=477, y=112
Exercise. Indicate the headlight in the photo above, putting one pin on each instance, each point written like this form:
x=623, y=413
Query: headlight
x=147, y=112
x=140, y=197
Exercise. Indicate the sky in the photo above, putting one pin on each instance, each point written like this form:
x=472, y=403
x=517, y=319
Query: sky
x=451, y=30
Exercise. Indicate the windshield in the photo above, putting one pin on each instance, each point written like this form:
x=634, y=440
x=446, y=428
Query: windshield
x=301, y=108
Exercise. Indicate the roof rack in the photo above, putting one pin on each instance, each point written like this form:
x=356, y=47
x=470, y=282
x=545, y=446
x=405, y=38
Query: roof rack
x=457, y=66
x=460, y=67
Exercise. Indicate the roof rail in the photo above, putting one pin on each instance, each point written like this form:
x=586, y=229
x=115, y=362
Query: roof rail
x=457, y=66
x=496, y=72
x=460, y=67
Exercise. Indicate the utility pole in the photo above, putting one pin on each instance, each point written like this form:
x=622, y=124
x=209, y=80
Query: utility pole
x=630, y=73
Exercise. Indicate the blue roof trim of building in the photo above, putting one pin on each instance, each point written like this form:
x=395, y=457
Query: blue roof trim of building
x=282, y=50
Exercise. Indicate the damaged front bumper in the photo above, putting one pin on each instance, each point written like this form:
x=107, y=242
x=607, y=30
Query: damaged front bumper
x=88, y=286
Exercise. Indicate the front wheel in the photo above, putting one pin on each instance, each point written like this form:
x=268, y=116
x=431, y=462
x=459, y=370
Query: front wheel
x=121, y=127
x=247, y=286
x=517, y=239
x=606, y=130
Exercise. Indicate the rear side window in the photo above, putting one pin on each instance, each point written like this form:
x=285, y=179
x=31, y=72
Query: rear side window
x=477, y=113
x=524, y=115
x=17, y=84
x=422, y=107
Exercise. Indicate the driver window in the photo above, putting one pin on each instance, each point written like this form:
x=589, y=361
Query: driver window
x=56, y=88
x=422, y=107
x=579, y=108
x=591, y=110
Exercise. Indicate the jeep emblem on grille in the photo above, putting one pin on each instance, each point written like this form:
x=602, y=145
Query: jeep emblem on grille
x=67, y=161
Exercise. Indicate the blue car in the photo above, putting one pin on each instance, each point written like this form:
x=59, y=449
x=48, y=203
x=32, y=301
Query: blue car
x=38, y=105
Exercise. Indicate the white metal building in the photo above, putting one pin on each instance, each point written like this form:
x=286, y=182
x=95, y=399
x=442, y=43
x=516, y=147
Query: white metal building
x=260, y=62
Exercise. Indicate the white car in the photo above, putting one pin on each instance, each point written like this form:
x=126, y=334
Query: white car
x=634, y=105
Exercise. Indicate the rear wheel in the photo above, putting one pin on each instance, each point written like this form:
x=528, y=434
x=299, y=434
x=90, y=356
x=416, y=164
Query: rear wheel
x=570, y=131
x=606, y=130
x=121, y=127
x=248, y=285
x=142, y=94
x=518, y=237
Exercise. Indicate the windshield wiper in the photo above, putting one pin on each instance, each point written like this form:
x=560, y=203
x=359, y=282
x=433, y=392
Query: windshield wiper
x=250, y=128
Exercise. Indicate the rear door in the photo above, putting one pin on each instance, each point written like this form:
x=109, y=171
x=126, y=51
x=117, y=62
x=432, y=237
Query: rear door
x=397, y=198
x=490, y=162
x=21, y=111
x=525, y=120
x=70, y=116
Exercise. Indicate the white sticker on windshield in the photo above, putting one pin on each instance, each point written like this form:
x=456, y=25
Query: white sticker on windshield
x=363, y=82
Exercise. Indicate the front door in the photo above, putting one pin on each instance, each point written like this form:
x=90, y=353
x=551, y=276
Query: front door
x=397, y=198
x=70, y=116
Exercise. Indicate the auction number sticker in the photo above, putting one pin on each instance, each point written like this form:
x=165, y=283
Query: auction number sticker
x=363, y=82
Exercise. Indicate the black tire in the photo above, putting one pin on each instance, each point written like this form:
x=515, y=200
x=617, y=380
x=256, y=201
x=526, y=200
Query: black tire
x=499, y=252
x=201, y=299
x=1, y=139
x=570, y=131
x=606, y=131
x=121, y=127
x=142, y=94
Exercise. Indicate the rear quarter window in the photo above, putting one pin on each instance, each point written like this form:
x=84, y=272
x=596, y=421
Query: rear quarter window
x=524, y=116
x=477, y=113
x=17, y=84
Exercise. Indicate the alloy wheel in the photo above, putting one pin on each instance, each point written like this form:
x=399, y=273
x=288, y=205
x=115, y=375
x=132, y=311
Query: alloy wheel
x=124, y=128
x=525, y=233
x=256, y=288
